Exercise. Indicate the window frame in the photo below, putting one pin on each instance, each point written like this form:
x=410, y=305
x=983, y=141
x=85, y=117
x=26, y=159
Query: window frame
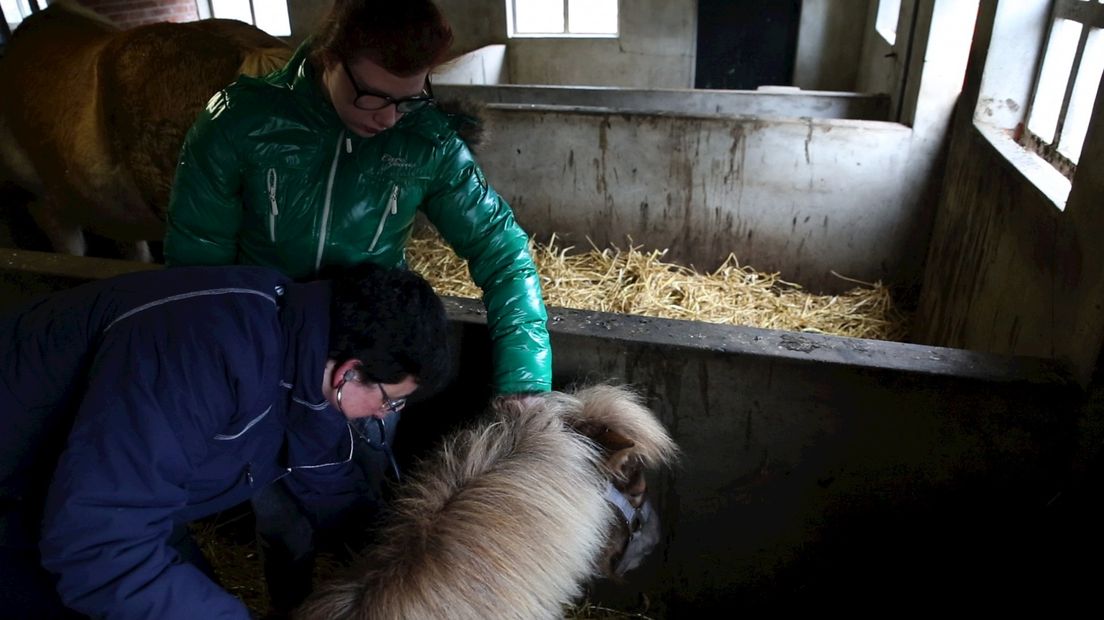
x=511, y=28
x=886, y=19
x=33, y=6
x=1090, y=14
x=206, y=10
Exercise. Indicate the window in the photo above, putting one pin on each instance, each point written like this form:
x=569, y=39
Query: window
x=1066, y=84
x=885, y=22
x=268, y=15
x=15, y=11
x=562, y=18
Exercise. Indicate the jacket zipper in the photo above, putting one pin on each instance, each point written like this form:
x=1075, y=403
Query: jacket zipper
x=274, y=211
x=327, y=202
x=392, y=209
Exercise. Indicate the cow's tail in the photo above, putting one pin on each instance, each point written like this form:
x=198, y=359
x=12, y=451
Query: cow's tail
x=264, y=60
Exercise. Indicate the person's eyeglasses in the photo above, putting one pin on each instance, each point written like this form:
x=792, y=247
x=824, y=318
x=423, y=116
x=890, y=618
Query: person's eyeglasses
x=389, y=405
x=368, y=99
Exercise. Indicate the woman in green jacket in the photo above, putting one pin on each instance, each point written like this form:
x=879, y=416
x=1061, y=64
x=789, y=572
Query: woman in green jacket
x=326, y=162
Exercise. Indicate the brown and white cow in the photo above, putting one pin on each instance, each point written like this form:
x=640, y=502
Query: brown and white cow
x=92, y=117
x=512, y=516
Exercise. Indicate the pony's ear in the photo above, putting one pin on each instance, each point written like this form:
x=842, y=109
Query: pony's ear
x=612, y=441
x=628, y=475
x=618, y=461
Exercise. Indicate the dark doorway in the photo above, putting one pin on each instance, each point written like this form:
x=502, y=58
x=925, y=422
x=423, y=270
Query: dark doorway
x=744, y=44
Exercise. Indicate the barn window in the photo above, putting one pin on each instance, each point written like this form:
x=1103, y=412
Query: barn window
x=15, y=11
x=1066, y=83
x=885, y=22
x=561, y=18
x=268, y=15
x=1042, y=72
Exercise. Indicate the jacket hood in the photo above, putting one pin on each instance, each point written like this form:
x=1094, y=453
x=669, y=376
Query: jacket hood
x=468, y=118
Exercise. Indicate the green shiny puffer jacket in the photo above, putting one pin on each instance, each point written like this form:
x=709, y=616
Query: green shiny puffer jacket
x=269, y=175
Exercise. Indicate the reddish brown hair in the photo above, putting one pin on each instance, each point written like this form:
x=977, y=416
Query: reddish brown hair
x=402, y=36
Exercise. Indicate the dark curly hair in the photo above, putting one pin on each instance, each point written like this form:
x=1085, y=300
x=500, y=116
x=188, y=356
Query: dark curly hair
x=402, y=36
x=392, y=321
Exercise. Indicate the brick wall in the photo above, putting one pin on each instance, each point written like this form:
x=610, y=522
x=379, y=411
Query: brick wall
x=127, y=13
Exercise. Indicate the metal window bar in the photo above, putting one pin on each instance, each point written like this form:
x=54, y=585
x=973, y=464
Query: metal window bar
x=1074, y=69
x=1089, y=15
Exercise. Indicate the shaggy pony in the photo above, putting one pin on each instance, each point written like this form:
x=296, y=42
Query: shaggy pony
x=508, y=519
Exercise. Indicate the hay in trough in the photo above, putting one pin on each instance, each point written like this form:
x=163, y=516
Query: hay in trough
x=633, y=281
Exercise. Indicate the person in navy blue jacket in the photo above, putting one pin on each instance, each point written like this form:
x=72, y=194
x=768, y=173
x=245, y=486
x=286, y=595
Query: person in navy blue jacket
x=133, y=405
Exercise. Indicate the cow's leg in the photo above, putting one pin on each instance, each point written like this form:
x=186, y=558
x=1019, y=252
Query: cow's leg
x=65, y=237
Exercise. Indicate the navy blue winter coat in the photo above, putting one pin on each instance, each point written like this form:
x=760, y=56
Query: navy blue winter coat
x=186, y=391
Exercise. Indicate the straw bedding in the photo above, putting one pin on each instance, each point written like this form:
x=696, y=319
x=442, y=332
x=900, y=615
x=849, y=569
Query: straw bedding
x=633, y=281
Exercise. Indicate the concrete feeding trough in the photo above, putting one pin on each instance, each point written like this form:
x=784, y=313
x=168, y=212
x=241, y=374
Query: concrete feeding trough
x=811, y=462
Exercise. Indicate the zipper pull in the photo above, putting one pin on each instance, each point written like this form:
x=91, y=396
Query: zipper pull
x=395, y=200
x=348, y=145
x=272, y=191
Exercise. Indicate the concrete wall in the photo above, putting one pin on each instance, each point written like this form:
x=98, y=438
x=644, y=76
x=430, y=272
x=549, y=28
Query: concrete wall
x=800, y=196
x=462, y=81
x=774, y=178
x=811, y=465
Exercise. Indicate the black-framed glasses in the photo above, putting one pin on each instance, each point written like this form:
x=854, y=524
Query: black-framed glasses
x=369, y=99
x=391, y=406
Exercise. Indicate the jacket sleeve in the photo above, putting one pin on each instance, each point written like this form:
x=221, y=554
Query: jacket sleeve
x=123, y=475
x=205, y=207
x=480, y=227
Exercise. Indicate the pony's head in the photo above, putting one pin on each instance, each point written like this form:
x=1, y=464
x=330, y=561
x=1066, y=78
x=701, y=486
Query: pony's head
x=511, y=516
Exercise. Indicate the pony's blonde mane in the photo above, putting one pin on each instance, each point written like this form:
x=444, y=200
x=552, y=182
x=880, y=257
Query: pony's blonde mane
x=508, y=520
x=462, y=541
